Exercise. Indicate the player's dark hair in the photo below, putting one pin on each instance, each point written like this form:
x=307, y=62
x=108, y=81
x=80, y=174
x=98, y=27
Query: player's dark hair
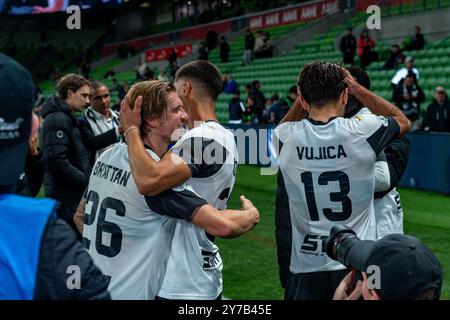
x=353, y=105
x=71, y=82
x=360, y=76
x=205, y=74
x=321, y=83
x=94, y=85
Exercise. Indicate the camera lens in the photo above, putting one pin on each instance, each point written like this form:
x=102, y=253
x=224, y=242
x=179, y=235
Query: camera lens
x=344, y=246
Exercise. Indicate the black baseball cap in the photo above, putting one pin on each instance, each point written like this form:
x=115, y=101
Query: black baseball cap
x=407, y=266
x=16, y=105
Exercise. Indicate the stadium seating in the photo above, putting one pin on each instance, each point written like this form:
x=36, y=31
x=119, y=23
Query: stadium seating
x=278, y=74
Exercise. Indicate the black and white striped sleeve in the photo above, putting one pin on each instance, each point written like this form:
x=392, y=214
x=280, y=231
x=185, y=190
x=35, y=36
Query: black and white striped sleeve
x=204, y=156
x=379, y=131
x=179, y=202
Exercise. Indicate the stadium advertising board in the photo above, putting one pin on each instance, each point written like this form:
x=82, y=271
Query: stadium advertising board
x=291, y=15
x=163, y=53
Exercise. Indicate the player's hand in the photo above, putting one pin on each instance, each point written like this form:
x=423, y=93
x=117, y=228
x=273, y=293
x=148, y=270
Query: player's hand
x=351, y=83
x=248, y=205
x=345, y=286
x=128, y=117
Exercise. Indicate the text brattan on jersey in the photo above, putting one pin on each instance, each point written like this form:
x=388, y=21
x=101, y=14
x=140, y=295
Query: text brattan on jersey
x=115, y=175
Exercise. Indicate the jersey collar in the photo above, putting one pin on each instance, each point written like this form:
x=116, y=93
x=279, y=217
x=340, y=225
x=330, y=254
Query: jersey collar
x=320, y=123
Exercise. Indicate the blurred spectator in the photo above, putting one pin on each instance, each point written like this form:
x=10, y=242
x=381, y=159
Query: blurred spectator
x=67, y=165
x=236, y=108
x=281, y=107
x=395, y=59
x=173, y=70
x=115, y=85
x=248, y=89
x=259, y=44
x=366, y=51
x=267, y=49
x=203, y=52
x=292, y=96
x=408, y=96
x=230, y=86
x=437, y=117
x=224, y=49
x=99, y=125
x=109, y=74
x=212, y=39
x=348, y=47
x=125, y=50
x=162, y=76
x=173, y=65
x=417, y=42
x=141, y=70
x=84, y=69
x=403, y=72
x=149, y=74
x=275, y=111
x=172, y=57
x=249, y=46
x=249, y=110
x=259, y=101
x=123, y=89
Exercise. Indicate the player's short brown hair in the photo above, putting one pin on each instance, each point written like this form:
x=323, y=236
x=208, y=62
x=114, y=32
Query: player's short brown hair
x=70, y=82
x=154, y=103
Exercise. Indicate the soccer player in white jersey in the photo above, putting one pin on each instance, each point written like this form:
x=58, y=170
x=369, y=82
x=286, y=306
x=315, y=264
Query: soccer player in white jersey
x=389, y=169
x=128, y=235
x=328, y=163
x=210, y=157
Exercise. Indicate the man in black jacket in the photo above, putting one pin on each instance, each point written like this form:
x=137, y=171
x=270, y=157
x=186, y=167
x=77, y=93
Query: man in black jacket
x=249, y=46
x=260, y=101
x=40, y=256
x=408, y=96
x=437, y=117
x=417, y=41
x=348, y=47
x=66, y=158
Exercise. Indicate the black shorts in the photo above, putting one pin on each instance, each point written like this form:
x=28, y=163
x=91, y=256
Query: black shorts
x=314, y=285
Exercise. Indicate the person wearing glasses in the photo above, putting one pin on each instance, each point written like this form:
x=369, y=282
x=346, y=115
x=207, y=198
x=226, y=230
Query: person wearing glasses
x=437, y=117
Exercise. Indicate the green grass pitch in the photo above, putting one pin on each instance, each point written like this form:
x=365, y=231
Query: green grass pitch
x=250, y=263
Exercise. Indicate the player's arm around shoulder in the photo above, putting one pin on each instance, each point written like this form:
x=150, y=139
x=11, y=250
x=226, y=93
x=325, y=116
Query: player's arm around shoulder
x=226, y=223
x=184, y=203
x=153, y=177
